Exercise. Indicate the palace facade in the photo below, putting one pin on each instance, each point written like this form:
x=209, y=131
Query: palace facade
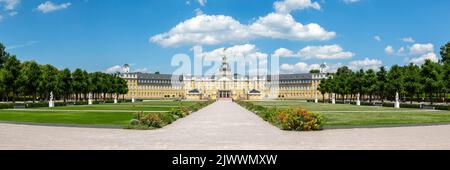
x=225, y=84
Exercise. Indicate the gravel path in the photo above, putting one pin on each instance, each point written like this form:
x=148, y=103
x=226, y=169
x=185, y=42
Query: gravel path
x=222, y=125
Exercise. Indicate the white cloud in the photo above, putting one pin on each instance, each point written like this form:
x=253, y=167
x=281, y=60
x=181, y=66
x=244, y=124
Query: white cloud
x=325, y=52
x=421, y=48
x=218, y=29
x=202, y=2
x=198, y=11
x=114, y=69
x=356, y=65
x=365, y=64
x=50, y=7
x=377, y=38
x=316, y=52
x=235, y=52
x=288, y=6
x=9, y=5
x=389, y=50
x=408, y=40
x=300, y=67
x=421, y=59
x=350, y=1
x=29, y=43
x=283, y=52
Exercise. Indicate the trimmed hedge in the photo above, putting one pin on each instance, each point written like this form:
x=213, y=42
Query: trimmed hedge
x=287, y=119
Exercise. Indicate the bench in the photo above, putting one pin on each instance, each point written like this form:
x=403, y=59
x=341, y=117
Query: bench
x=425, y=107
x=20, y=107
x=378, y=105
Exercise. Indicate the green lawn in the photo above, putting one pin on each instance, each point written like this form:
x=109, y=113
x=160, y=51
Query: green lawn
x=341, y=115
x=79, y=118
x=144, y=106
x=87, y=115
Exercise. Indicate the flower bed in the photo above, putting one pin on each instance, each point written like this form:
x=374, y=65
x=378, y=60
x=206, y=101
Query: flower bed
x=146, y=121
x=287, y=119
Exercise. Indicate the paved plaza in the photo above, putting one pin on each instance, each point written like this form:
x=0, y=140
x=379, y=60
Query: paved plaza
x=223, y=125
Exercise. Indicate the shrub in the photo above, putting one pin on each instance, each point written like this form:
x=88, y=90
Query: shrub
x=134, y=122
x=287, y=119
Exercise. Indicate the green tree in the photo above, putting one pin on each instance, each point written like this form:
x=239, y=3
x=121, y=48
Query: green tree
x=3, y=55
x=10, y=76
x=446, y=78
x=411, y=81
x=30, y=75
x=382, y=83
x=314, y=71
x=395, y=81
x=78, y=83
x=48, y=81
x=431, y=78
x=65, y=83
x=445, y=53
x=370, y=83
x=324, y=87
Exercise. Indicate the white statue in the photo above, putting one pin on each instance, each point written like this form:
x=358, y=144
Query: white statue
x=51, y=103
x=115, y=99
x=317, y=99
x=90, y=99
x=397, y=100
x=358, y=101
x=333, y=100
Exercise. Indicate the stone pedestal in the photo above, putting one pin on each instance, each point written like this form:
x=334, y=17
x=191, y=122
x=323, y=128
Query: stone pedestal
x=397, y=105
x=90, y=102
x=316, y=101
x=133, y=100
x=51, y=104
x=333, y=101
x=115, y=101
x=358, y=103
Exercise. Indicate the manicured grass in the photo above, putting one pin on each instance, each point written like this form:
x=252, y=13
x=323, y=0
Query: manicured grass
x=343, y=115
x=86, y=115
x=78, y=118
x=141, y=106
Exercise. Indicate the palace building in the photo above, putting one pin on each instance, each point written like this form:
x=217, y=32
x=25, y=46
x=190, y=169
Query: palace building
x=225, y=84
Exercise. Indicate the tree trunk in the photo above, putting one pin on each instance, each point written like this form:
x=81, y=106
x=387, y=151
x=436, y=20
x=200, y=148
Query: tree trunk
x=431, y=98
x=34, y=97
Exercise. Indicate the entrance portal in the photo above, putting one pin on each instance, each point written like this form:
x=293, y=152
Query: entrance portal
x=225, y=94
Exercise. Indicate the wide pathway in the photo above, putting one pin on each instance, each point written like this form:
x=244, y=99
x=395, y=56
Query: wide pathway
x=222, y=125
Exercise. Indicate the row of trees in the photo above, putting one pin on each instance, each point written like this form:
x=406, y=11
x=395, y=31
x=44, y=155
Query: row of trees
x=429, y=81
x=30, y=81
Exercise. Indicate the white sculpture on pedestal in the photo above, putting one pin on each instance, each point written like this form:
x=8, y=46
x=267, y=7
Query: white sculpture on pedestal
x=115, y=99
x=358, y=101
x=333, y=100
x=397, y=101
x=51, y=103
x=317, y=99
x=90, y=99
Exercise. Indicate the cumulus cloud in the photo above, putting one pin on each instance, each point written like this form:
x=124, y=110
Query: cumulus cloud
x=218, y=29
x=421, y=48
x=356, y=65
x=9, y=5
x=287, y=6
x=408, y=40
x=421, y=52
x=389, y=50
x=365, y=64
x=316, y=52
x=50, y=7
x=114, y=69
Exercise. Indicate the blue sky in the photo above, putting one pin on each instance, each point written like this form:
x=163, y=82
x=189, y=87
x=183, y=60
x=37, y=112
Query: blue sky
x=97, y=34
